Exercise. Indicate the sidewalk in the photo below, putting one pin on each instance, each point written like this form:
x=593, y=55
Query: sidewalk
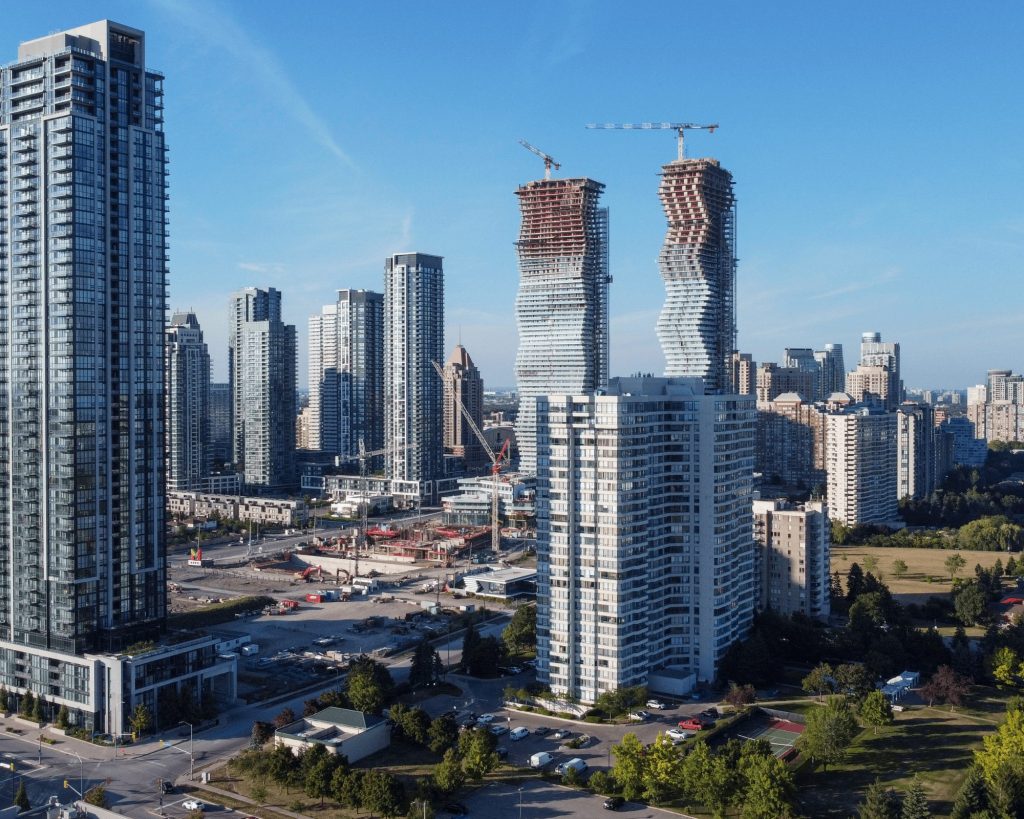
x=237, y=797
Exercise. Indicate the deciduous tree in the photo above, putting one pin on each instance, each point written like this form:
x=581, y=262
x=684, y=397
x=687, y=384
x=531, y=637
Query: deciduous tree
x=820, y=681
x=630, y=765
x=899, y=568
x=876, y=710
x=829, y=731
x=970, y=603
x=478, y=753
x=448, y=774
x=946, y=686
x=768, y=787
x=662, y=775
x=954, y=565
x=521, y=632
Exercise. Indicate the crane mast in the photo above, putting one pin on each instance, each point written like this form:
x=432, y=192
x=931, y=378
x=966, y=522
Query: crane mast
x=549, y=161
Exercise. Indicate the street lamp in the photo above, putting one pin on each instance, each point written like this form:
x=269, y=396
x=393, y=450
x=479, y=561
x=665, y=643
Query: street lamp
x=520, y=802
x=191, y=755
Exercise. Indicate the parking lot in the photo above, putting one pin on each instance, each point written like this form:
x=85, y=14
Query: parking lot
x=596, y=752
x=541, y=800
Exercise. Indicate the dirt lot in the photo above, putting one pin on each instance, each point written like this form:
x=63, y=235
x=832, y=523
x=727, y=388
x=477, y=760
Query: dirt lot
x=926, y=573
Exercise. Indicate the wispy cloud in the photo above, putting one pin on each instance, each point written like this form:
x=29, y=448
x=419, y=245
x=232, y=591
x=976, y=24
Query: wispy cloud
x=267, y=268
x=859, y=285
x=222, y=30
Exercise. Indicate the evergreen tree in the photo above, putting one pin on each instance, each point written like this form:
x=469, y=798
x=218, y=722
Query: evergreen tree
x=915, y=804
x=879, y=803
x=423, y=670
x=21, y=798
x=28, y=703
x=854, y=582
x=63, y=717
x=973, y=798
x=1011, y=567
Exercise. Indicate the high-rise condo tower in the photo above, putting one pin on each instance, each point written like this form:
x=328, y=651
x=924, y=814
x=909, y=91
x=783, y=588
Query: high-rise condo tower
x=697, y=325
x=562, y=305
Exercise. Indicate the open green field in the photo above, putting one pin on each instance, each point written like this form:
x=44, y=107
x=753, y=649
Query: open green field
x=926, y=573
x=933, y=743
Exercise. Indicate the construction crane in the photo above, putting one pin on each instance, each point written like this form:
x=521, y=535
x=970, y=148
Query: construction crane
x=548, y=160
x=497, y=462
x=679, y=127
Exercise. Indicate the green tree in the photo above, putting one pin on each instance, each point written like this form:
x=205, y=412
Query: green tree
x=970, y=603
x=1011, y=566
x=443, y=734
x=262, y=733
x=369, y=686
x=94, y=795
x=662, y=771
x=899, y=568
x=630, y=766
x=870, y=564
x=1007, y=790
x=602, y=782
x=1003, y=748
x=318, y=777
x=997, y=569
x=972, y=800
x=854, y=582
x=37, y=709
x=28, y=702
x=470, y=644
x=21, y=797
x=414, y=722
x=854, y=680
x=448, y=774
x=63, y=716
x=768, y=787
x=915, y=803
x=141, y=720
x=954, y=565
x=521, y=632
x=572, y=778
x=479, y=757
x=347, y=787
x=876, y=710
x=740, y=695
x=1006, y=666
x=382, y=793
x=820, y=681
x=879, y=803
x=829, y=731
x=426, y=664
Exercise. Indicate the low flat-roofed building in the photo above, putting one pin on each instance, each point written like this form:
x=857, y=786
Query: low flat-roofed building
x=506, y=584
x=341, y=731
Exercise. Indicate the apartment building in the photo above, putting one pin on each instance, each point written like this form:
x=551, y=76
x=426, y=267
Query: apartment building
x=860, y=453
x=644, y=541
x=792, y=559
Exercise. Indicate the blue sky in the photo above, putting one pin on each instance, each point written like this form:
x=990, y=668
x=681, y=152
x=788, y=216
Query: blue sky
x=876, y=149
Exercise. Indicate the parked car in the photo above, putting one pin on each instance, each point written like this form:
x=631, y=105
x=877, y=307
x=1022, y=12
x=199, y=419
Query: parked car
x=166, y=787
x=657, y=705
x=561, y=733
x=540, y=759
x=691, y=724
x=575, y=764
x=498, y=729
x=514, y=669
x=455, y=809
x=519, y=733
x=502, y=752
x=485, y=719
x=193, y=804
x=640, y=715
x=677, y=735
x=541, y=730
x=614, y=803
x=710, y=713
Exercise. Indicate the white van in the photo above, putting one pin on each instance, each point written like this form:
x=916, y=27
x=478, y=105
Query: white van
x=575, y=764
x=519, y=733
x=540, y=759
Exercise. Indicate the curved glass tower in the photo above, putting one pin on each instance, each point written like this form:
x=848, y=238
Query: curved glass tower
x=697, y=325
x=562, y=304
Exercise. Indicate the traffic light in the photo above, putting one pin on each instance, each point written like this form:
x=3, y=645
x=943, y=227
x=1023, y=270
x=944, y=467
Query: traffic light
x=66, y=785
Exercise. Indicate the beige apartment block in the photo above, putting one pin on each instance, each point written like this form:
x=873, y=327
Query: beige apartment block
x=791, y=441
x=874, y=383
x=793, y=557
x=773, y=381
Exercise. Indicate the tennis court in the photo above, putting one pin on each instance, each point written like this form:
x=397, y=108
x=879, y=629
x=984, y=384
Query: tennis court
x=781, y=733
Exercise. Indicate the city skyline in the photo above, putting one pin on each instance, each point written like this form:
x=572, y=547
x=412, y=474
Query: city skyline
x=813, y=242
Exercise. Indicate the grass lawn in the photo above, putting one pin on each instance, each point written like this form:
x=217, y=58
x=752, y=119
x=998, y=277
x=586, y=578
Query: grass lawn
x=926, y=573
x=933, y=743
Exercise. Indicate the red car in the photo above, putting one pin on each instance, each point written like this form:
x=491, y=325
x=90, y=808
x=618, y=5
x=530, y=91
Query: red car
x=691, y=725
